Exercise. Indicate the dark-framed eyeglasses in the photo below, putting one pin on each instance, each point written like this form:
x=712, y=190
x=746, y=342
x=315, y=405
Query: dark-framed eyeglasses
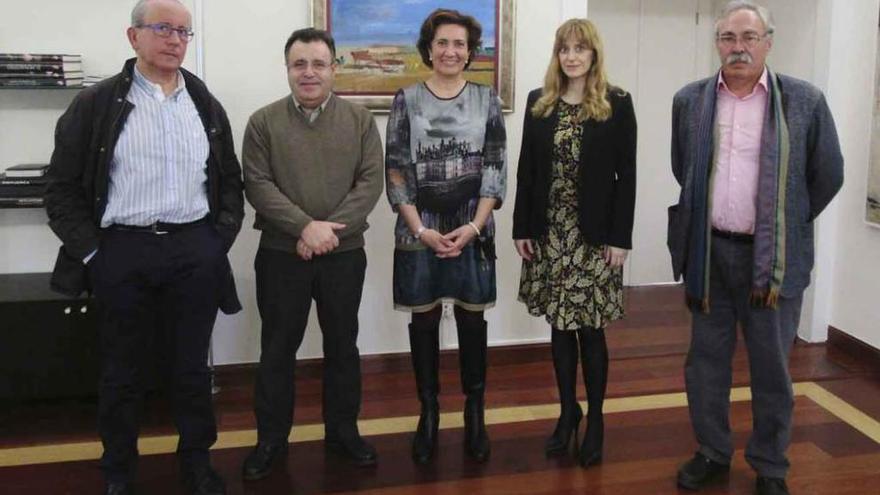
x=749, y=40
x=164, y=30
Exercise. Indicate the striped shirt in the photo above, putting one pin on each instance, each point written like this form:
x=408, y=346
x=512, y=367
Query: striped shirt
x=158, y=172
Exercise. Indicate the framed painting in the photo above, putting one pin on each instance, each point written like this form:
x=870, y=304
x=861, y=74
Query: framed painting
x=376, y=46
x=872, y=203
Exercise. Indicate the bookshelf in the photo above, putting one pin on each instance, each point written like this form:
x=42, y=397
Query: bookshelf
x=50, y=341
x=42, y=88
x=30, y=202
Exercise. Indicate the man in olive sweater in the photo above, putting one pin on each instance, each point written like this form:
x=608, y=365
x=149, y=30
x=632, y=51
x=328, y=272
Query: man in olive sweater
x=313, y=172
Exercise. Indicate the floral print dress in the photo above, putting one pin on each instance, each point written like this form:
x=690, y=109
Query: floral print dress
x=568, y=280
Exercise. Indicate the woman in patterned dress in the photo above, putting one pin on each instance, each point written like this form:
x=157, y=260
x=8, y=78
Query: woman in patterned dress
x=445, y=173
x=573, y=220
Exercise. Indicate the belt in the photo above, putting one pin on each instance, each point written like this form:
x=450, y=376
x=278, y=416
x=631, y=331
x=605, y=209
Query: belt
x=158, y=227
x=733, y=236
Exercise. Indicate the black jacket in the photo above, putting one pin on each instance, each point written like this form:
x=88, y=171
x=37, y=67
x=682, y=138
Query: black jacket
x=85, y=138
x=606, y=173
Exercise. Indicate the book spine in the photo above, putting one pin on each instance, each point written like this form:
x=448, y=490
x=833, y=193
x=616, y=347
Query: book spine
x=39, y=68
x=43, y=75
x=4, y=201
x=37, y=57
x=23, y=181
x=22, y=191
x=24, y=83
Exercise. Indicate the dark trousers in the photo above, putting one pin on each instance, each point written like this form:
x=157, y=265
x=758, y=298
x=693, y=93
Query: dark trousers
x=286, y=285
x=769, y=335
x=150, y=286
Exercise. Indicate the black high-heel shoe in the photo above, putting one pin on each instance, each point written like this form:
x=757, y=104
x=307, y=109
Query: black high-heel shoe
x=565, y=435
x=591, y=448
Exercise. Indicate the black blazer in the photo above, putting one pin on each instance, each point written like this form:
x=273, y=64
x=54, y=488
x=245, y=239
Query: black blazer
x=79, y=174
x=607, y=174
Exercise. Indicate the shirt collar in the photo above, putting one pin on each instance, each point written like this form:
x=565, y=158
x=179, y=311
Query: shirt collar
x=316, y=111
x=155, y=89
x=762, y=82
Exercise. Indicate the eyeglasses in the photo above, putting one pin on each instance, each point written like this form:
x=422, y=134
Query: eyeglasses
x=749, y=40
x=302, y=65
x=164, y=30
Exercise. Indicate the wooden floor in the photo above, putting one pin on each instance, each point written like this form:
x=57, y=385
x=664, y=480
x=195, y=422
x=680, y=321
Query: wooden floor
x=51, y=447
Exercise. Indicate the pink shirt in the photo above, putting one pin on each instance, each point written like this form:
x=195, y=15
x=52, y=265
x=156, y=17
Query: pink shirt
x=740, y=122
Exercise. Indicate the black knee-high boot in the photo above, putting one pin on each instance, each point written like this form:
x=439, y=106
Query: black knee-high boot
x=472, y=360
x=424, y=343
x=594, y=361
x=564, y=345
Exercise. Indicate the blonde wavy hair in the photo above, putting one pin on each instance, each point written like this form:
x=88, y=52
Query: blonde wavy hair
x=595, y=104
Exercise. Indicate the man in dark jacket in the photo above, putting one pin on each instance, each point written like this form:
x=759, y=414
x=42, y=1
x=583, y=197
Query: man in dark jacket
x=145, y=193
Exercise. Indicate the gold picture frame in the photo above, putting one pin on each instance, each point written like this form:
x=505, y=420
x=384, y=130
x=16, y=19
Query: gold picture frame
x=376, y=52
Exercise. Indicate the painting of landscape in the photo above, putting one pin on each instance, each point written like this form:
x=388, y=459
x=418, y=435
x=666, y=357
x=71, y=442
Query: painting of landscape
x=376, y=44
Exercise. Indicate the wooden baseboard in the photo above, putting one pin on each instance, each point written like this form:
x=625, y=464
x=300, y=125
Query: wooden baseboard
x=862, y=352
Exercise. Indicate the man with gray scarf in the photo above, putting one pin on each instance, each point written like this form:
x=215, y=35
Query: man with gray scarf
x=757, y=157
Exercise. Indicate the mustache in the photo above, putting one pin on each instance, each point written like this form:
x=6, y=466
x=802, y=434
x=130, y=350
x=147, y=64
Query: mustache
x=738, y=57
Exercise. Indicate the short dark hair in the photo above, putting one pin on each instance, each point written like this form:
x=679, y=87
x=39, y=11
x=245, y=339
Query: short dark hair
x=448, y=16
x=308, y=35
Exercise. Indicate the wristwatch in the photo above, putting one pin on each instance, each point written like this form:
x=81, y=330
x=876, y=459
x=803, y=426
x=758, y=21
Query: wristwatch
x=420, y=231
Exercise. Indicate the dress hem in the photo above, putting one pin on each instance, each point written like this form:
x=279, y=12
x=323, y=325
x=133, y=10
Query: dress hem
x=431, y=305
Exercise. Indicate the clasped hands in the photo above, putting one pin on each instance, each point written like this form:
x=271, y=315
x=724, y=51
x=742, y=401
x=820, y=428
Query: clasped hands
x=317, y=238
x=450, y=244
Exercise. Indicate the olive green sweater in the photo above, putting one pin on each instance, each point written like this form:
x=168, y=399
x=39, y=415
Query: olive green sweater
x=296, y=171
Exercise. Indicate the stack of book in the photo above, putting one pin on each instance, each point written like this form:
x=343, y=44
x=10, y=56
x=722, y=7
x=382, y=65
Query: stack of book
x=23, y=185
x=40, y=70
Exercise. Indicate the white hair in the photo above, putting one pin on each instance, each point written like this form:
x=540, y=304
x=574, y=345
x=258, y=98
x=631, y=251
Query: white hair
x=139, y=12
x=736, y=5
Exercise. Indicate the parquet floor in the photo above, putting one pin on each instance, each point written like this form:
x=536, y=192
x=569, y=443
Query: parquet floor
x=51, y=447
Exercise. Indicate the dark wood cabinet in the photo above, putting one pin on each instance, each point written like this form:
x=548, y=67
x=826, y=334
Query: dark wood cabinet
x=48, y=342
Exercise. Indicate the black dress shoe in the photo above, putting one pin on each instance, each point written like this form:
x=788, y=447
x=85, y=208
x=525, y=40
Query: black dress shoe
x=258, y=463
x=353, y=447
x=119, y=488
x=204, y=481
x=699, y=471
x=770, y=486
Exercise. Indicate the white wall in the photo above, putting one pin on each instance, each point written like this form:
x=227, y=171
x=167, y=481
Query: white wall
x=243, y=65
x=639, y=36
x=27, y=117
x=855, y=306
x=244, y=68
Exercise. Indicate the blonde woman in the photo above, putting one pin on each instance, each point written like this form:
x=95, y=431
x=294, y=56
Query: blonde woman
x=573, y=218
